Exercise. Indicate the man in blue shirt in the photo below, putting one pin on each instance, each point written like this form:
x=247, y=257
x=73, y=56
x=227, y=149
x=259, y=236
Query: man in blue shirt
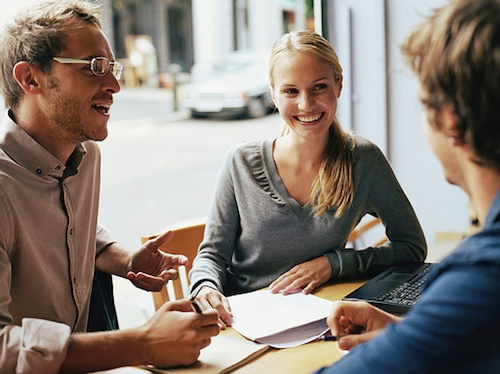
x=455, y=326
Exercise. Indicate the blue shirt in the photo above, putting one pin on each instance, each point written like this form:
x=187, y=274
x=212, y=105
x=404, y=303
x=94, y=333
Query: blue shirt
x=455, y=326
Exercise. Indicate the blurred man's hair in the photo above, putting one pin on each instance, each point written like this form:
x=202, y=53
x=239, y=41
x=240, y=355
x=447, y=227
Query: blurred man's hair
x=456, y=57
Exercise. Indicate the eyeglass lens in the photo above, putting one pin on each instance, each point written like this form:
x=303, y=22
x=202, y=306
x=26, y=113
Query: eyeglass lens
x=100, y=66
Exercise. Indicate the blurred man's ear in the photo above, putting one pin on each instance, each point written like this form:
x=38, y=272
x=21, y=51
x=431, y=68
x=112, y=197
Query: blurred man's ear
x=449, y=121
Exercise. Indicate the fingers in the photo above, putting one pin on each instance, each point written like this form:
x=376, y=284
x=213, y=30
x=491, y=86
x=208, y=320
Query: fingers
x=357, y=322
x=211, y=298
x=156, y=241
x=306, y=276
x=175, y=334
x=350, y=341
x=208, y=319
x=275, y=286
x=177, y=259
x=178, y=305
x=150, y=282
x=286, y=283
x=347, y=317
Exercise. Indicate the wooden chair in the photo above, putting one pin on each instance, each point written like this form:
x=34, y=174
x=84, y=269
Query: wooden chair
x=357, y=236
x=189, y=235
x=187, y=238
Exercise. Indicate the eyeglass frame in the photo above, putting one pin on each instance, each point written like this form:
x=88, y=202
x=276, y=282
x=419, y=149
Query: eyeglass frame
x=115, y=67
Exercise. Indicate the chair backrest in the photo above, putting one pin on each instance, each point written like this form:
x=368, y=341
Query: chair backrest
x=358, y=236
x=186, y=240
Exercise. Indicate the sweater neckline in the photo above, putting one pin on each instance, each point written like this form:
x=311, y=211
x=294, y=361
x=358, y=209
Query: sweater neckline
x=275, y=179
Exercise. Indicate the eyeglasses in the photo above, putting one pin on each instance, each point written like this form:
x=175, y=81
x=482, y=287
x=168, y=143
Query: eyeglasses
x=100, y=66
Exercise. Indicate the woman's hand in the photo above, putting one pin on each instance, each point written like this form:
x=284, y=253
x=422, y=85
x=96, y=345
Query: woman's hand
x=211, y=298
x=306, y=276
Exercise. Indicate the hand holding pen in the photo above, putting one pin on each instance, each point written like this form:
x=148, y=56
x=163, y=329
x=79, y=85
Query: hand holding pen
x=195, y=305
x=355, y=322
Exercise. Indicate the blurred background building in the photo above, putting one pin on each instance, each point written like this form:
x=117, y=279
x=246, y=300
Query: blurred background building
x=150, y=36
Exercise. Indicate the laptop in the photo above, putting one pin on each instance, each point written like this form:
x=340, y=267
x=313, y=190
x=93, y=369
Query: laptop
x=395, y=289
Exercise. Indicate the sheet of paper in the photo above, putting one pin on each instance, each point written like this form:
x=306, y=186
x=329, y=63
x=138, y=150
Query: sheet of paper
x=298, y=318
x=297, y=336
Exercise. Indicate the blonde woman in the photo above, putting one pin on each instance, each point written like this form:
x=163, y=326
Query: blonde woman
x=284, y=207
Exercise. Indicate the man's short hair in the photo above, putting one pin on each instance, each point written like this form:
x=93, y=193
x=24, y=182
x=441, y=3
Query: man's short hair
x=36, y=35
x=456, y=57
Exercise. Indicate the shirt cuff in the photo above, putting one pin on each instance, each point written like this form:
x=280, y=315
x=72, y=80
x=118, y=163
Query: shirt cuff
x=44, y=346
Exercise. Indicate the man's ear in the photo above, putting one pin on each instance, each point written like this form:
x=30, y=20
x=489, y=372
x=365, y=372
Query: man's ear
x=26, y=76
x=449, y=121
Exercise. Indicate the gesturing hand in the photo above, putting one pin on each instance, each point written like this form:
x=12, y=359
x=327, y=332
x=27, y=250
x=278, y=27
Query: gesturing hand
x=150, y=268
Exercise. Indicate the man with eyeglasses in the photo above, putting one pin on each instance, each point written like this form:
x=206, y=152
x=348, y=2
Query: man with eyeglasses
x=58, y=78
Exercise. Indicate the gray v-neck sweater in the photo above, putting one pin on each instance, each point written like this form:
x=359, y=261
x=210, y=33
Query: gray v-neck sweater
x=255, y=231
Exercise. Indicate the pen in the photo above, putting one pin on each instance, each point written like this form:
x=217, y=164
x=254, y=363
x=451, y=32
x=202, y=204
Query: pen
x=195, y=305
x=327, y=338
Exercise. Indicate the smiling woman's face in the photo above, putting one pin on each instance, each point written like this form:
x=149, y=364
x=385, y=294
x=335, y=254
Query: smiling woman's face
x=305, y=93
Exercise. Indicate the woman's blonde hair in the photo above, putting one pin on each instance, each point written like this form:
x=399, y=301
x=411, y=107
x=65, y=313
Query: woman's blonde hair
x=334, y=185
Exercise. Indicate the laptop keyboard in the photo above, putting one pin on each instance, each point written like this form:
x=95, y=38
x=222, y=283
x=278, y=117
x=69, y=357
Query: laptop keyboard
x=408, y=292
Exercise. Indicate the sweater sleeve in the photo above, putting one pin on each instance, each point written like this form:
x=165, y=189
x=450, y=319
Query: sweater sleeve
x=215, y=252
x=378, y=192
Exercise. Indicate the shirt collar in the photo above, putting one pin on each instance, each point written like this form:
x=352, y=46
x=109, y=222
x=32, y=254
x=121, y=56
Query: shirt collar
x=28, y=153
x=494, y=212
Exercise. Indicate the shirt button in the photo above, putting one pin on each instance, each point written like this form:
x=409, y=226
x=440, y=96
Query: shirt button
x=39, y=171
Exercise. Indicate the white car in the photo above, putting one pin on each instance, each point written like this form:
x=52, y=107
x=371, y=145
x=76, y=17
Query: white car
x=239, y=86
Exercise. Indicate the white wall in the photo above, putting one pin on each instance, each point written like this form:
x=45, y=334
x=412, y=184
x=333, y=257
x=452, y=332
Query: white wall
x=212, y=33
x=440, y=206
x=264, y=22
x=357, y=32
x=385, y=107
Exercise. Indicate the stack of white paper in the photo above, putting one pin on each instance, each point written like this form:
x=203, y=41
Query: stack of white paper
x=280, y=321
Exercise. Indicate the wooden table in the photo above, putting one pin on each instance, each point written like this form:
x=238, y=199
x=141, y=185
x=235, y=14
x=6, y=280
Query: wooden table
x=302, y=359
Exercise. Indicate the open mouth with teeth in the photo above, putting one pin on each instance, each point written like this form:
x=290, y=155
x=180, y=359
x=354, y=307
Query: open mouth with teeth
x=103, y=109
x=309, y=118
